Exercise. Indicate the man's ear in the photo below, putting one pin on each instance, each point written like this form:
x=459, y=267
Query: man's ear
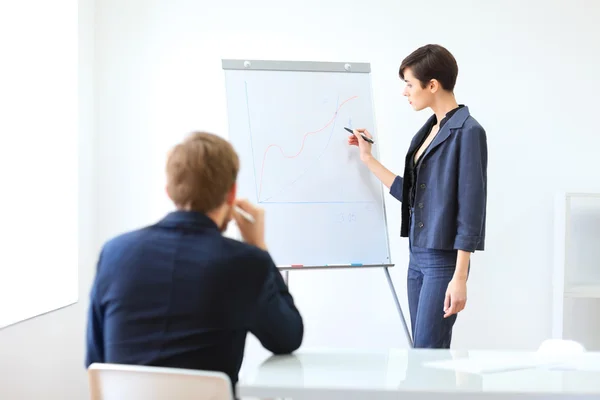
x=231, y=196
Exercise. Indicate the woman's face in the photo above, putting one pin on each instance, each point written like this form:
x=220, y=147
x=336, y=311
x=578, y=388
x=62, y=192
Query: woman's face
x=418, y=97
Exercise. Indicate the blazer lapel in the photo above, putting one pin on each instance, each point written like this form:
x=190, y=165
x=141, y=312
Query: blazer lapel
x=456, y=121
x=441, y=136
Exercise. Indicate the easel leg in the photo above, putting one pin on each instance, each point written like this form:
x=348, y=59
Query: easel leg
x=406, y=331
x=286, y=277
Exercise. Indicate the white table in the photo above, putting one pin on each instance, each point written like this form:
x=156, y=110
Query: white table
x=403, y=374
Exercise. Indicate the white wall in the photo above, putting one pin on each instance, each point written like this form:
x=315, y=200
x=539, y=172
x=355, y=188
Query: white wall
x=42, y=358
x=527, y=72
x=38, y=159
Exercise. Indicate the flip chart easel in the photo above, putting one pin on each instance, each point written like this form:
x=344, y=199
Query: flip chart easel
x=286, y=120
x=286, y=270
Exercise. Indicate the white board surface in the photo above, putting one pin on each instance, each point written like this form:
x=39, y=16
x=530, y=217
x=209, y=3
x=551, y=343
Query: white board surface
x=286, y=121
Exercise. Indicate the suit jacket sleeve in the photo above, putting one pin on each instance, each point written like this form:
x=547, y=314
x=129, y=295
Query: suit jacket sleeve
x=396, y=188
x=472, y=189
x=277, y=323
x=94, y=332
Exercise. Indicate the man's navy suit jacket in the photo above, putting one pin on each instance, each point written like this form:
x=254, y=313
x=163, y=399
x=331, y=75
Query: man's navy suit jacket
x=179, y=294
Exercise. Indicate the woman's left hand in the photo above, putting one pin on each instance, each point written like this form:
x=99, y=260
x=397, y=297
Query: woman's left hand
x=456, y=297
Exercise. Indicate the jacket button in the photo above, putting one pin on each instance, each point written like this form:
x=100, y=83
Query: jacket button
x=420, y=224
x=420, y=205
x=422, y=186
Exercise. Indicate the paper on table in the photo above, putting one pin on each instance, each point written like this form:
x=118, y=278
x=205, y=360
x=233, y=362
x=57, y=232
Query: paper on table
x=491, y=364
x=585, y=364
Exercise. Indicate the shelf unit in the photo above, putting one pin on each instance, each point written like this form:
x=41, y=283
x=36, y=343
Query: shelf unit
x=576, y=277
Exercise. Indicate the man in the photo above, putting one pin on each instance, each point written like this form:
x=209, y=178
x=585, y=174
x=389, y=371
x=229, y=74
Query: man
x=180, y=294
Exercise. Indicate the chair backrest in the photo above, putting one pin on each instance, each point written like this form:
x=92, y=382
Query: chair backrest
x=134, y=382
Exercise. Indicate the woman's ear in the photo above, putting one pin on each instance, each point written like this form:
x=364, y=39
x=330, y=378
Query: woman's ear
x=433, y=85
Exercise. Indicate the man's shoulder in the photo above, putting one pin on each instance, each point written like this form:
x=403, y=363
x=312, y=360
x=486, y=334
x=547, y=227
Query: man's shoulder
x=148, y=243
x=249, y=264
x=241, y=251
x=125, y=239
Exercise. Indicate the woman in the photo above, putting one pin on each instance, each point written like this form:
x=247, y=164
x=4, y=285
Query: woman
x=443, y=193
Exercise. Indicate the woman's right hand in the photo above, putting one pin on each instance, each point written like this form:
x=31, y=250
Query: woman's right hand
x=365, y=147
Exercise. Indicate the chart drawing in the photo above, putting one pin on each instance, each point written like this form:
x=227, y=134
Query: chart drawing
x=289, y=167
x=286, y=121
x=328, y=127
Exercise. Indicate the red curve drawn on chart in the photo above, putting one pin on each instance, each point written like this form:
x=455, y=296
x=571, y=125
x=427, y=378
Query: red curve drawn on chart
x=262, y=169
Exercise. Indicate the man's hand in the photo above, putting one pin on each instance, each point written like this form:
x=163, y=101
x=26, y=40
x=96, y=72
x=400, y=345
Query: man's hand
x=252, y=233
x=456, y=297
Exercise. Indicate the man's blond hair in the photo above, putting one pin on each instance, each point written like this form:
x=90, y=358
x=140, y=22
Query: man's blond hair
x=201, y=171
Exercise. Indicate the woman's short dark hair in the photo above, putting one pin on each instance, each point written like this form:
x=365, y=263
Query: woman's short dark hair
x=429, y=62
